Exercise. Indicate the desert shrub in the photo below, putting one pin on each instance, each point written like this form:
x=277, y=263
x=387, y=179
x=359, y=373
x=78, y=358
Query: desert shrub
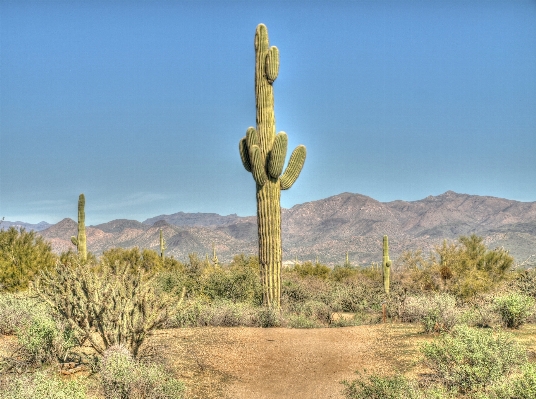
x=267, y=317
x=525, y=282
x=390, y=387
x=318, y=312
x=238, y=283
x=223, y=313
x=470, y=359
x=119, y=302
x=482, y=312
x=302, y=321
x=436, y=313
x=45, y=340
x=22, y=255
x=17, y=310
x=342, y=273
x=43, y=385
x=514, y=309
x=314, y=270
x=122, y=377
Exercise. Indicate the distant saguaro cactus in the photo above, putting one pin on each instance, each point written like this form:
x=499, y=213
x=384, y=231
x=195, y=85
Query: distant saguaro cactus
x=80, y=240
x=386, y=265
x=162, y=245
x=214, y=256
x=263, y=153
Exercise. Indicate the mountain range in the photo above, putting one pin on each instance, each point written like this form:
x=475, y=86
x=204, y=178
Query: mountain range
x=325, y=229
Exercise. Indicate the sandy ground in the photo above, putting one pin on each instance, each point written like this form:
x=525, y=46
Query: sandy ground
x=239, y=363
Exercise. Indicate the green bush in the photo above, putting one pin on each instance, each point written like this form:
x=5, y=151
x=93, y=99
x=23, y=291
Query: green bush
x=267, y=317
x=122, y=377
x=302, y=321
x=470, y=359
x=514, y=309
x=390, y=387
x=317, y=270
x=22, y=255
x=43, y=385
x=436, y=313
x=16, y=311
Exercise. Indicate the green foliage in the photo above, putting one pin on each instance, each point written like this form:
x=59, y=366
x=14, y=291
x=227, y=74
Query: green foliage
x=238, y=283
x=120, y=302
x=390, y=387
x=263, y=154
x=514, y=309
x=464, y=269
x=470, y=359
x=345, y=272
x=122, y=377
x=147, y=260
x=309, y=269
x=436, y=313
x=43, y=385
x=22, y=255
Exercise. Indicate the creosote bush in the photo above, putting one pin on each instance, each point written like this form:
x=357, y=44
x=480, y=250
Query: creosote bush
x=436, y=313
x=122, y=377
x=514, y=309
x=469, y=359
x=43, y=385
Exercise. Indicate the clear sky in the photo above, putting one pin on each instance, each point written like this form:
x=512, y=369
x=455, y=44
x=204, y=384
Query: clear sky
x=140, y=105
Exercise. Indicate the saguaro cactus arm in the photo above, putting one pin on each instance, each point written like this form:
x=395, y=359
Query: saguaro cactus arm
x=294, y=167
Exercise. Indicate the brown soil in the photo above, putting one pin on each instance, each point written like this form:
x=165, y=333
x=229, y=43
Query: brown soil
x=240, y=363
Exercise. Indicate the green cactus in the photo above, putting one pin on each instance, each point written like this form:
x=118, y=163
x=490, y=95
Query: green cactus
x=386, y=265
x=80, y=240
x=214, y=256
x=263, y=153
x=162, y=245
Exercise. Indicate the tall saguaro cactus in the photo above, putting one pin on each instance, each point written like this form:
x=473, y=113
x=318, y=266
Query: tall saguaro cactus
x=386, y=265
x=263, y=153
x=80, y=240
x=162, y=245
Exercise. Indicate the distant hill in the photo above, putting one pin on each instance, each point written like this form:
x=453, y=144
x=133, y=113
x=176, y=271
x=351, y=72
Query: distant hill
x=327, y=228
x=27, y=226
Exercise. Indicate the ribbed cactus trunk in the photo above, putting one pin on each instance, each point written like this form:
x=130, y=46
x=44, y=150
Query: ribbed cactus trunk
x=263, y=153
x=162, y=245
x=386, y=265
x=80, y=240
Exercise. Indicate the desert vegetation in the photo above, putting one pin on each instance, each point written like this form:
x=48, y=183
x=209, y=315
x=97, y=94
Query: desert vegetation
x=92, y=318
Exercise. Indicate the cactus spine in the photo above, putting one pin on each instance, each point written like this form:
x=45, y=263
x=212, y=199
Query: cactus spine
x=80, y=240
x=386, y=265
x=263, y=153
x=162, y=245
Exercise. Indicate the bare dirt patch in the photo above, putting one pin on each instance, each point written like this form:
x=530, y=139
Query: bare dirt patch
x=240, y=363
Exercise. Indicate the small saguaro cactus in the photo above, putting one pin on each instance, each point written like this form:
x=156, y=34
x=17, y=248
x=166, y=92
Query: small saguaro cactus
x=386, y=265
x=162, y=245
x=80, y=240
x=263, y=153
x=214, y=256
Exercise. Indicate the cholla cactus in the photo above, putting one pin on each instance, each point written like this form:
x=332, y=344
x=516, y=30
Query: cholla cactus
x=80, y=240
x=118, y=302
x=386, y=265
x=263, y=153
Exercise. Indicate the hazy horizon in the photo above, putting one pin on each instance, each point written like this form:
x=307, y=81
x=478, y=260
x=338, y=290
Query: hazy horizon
x=140, y=106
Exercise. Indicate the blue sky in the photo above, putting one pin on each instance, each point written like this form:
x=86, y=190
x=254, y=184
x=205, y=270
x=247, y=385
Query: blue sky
x=140, y=105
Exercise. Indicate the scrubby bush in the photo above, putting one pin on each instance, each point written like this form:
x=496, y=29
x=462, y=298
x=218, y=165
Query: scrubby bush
x=482, y=312
x=470, y=359
x=120, y=302
x=390, y=387
x=122, y=377
x=22, y=255
x=43, y=385
x=436, y=313
x=16, y=311
x=309, y=269
x=514, y=309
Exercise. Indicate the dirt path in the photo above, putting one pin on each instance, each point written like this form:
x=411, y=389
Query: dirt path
x=244, y=363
